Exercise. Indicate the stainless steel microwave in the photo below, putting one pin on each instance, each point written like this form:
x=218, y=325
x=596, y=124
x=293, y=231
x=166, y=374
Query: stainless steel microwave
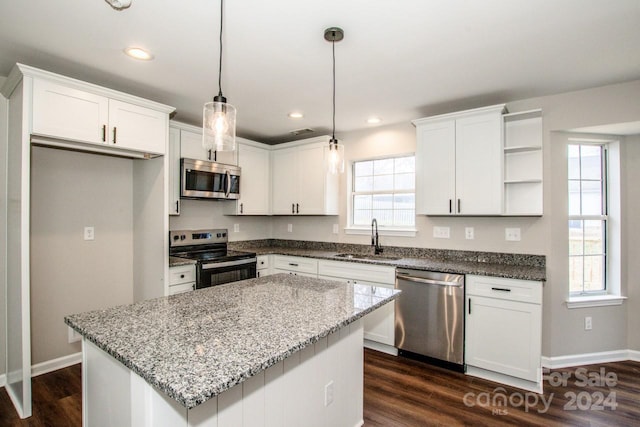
x=200, y=179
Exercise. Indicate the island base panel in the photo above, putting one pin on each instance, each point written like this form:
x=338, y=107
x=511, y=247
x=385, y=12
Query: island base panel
x=321, y=385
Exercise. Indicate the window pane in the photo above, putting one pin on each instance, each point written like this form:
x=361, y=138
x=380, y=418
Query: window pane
x=361, y=217
x=591, y=161
x=363, y=168
x=574, y=197
x=404, y=217
x=593, y=237
x=384, y=166
x=363, y=184
x=405, y=181
x=384, y=217
x=574, y=162
x=382, y=201
x=591, y=198
x=575, y=274
x=576, y=237
x=404, y=201
x=593, y=273
x=405, y=164
x=362, y=201
x=383, y=182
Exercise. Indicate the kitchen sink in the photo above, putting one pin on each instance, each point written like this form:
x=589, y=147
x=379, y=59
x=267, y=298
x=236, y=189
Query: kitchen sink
x=368, y=257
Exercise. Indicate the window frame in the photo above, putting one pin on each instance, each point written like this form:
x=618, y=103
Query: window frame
x=604, y=218
x=385, y=230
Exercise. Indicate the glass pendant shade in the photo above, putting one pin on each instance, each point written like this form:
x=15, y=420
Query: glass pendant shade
x=219, y=126
x=335, y=157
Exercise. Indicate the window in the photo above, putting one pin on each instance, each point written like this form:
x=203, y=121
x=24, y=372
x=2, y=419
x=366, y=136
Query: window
x=587, y=218
x=384, y=189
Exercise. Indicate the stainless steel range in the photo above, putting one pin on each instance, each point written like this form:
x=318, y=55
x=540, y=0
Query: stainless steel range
x=216, y=264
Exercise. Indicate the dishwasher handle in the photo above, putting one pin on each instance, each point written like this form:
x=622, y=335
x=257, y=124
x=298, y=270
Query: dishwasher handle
x=428, y=281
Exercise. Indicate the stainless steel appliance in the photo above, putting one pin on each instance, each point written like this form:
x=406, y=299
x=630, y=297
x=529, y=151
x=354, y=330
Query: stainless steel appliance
x=216, y=264
x=429, y=318
x=201, y=179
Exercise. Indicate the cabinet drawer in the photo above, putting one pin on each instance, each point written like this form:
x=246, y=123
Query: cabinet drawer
x=182, y=274
x=263, y=262
x=357, y=271
x=297, y=264
x=505, y=289
x=180, y=289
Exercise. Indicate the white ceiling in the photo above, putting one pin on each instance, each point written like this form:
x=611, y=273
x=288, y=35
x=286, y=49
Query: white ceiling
x=400, y=60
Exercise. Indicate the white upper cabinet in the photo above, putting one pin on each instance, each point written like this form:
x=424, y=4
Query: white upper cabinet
x=300, y=184
x=68, y=112
x=254, y=180
x=459, y=160
x=191, y=148
x=174, y=171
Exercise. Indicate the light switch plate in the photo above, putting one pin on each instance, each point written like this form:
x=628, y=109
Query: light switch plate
x=89, y=233
x=512, y=234
x=335, y=229
x=236, y=228
x=469, y=233
x=441, y=232
x=290, y=228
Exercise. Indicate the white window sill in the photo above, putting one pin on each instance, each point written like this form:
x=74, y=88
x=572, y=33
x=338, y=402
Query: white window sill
x=595, y=301
x=366, y=231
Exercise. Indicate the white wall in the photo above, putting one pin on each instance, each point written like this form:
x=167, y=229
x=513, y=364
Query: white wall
x=195, y=214
x=71, y=190
x=3, y=224
x=632, y=235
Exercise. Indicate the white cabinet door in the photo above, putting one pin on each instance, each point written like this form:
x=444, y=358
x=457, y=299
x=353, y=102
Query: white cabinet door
x=435, y=168
x=191, y=146
x=284, y=186
x=311, y=180
x=254, y=181
x=174, y=172
x=137, y=128
x=503, y=336
x=66, y=113
x=379, y=325
x=478, y=171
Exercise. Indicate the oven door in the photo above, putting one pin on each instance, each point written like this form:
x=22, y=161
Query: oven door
x=208, y=180
x=218, y=273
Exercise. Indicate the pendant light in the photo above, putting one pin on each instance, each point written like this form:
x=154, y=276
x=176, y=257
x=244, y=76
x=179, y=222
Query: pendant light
x=335, y=155
x=218, y=117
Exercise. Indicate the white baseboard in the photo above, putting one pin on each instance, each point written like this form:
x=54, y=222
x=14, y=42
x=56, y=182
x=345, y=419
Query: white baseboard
x=3, y=380
x=373, y=345
x=590, y=358
x=55, y=364
x=535, y=387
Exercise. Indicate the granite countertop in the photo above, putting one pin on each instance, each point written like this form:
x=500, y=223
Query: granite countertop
x=511, y=270
x=195, y=345
x=175, y=261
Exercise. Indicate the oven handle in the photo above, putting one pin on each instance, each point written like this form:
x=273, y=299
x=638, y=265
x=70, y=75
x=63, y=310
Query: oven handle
x=230, y=263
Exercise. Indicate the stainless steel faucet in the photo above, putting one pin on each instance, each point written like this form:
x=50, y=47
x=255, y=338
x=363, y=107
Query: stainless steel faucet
x=375, y=241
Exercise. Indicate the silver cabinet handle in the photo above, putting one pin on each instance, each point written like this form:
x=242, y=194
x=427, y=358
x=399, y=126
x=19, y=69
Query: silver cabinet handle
x=458, y=205
x=427, y=281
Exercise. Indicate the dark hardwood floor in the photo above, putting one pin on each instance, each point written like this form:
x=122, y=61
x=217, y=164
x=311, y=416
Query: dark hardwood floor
x=404, y=392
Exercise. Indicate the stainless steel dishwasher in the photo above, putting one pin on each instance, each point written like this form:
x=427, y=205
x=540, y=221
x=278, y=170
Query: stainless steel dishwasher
x=430, y=316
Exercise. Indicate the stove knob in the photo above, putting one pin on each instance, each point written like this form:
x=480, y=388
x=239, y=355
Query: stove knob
x=182, y=237
x=176, y=237
x=218, y=235
x=224, y=234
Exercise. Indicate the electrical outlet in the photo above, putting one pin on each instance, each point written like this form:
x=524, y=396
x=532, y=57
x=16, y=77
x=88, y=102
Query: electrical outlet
x=236, y=228
x=512, y=234
x=89, y=233
x=588, y=325
x=335, y=229
x=290, y=228
x=441, y=232
x=328, y=393
x=468, y=233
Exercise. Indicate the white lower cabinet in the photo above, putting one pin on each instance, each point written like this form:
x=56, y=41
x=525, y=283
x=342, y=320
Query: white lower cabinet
x=379, y=332
x=504, y=329
x=299, y=266
x=182, y=278
x=263, y=265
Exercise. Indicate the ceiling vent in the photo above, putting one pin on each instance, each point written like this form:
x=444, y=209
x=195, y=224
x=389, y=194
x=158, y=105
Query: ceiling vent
x=301, y=131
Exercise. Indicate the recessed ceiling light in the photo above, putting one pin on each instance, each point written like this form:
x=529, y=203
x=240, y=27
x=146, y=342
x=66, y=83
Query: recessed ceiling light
x=138, y=53
x=374, y=120
x=295, y=115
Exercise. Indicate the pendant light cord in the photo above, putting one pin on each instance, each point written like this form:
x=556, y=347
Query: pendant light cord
x=220, y=62
x=333, y=48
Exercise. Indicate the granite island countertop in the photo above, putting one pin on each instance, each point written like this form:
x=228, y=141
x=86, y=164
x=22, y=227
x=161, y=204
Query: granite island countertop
x=512, y=266
x=195, y=345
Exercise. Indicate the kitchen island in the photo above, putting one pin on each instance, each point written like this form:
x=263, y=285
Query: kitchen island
x=279, y=350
